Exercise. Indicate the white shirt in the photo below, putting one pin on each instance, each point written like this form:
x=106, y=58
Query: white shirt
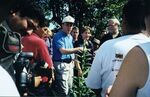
x=145, y=91
x=108, y=60
x=7, y=85
x=49, y=45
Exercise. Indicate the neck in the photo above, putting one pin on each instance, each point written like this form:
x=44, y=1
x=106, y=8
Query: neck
x=75, y=39
x=30, y=31
x=66, y=32
x=115, y=34
x=146, y=33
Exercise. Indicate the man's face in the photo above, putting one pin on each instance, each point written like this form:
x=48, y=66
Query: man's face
x=112, y=27
x=17, y=22
x=75, y=33
x=67, y=27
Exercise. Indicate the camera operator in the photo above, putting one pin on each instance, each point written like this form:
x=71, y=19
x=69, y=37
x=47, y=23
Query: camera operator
x=7, y=85
x=16, y=21
x=32, y=43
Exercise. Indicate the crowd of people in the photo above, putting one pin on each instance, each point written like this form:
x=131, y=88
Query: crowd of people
x=48, y=62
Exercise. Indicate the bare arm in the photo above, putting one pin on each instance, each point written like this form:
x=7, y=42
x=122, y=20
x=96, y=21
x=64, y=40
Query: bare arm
x=132, y=75
x=78, y=67
x=71, y=50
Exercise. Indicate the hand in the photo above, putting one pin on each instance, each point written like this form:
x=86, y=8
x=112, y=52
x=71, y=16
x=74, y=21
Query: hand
x=38, y=80
x=80, y=49
x=53, y=75
x=108, y=91
x=53, y=78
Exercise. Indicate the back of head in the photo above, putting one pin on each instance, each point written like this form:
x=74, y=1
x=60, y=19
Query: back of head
x=7, y=2
x=5, y=6
x=133, y=14
x=147, y=15
x=147, y=7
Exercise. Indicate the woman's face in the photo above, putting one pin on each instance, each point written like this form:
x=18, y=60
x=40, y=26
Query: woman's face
x=86, y=35
x=44, y=32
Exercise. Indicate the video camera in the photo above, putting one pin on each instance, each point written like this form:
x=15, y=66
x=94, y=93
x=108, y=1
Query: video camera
x=25, y=72
x=24, y=76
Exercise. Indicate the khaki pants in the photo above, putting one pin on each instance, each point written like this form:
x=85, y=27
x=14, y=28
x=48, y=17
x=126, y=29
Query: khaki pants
x=64, y=77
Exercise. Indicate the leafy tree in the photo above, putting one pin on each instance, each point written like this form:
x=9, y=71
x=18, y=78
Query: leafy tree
x=93, y=13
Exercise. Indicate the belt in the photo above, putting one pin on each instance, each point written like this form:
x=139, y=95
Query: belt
x=64, y=60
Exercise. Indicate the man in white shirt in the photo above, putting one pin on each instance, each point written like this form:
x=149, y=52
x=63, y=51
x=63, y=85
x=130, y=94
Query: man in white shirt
x=112, y=53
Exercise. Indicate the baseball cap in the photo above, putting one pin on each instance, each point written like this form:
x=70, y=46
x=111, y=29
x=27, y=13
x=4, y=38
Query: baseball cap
x=68, y=19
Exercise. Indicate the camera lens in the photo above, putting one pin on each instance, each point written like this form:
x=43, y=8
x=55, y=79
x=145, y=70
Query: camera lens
x=23, y=79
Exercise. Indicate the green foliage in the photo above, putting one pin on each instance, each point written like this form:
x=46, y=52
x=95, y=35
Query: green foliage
x=93, y=13
x=79, y=88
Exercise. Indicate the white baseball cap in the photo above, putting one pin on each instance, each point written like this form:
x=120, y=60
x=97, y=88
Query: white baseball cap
x=68, y=19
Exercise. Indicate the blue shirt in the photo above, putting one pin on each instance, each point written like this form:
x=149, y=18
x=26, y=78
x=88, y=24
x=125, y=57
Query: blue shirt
x=62, y=40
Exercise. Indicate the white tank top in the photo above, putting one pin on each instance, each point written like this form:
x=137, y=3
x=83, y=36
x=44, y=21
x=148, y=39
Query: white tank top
x=145, y=91
x=7, y=85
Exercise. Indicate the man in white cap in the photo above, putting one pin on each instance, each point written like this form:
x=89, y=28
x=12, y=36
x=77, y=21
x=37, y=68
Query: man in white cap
x=63, y=56
x=113, y=30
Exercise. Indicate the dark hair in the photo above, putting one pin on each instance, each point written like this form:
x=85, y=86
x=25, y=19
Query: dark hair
x=133, y=13
x=28, y=9
x=9, y=4
x=6, y=2
x=75, y=28
x=85, y=28
x=147, y=7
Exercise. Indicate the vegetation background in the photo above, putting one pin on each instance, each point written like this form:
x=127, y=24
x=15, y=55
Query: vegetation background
x=93, y=13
